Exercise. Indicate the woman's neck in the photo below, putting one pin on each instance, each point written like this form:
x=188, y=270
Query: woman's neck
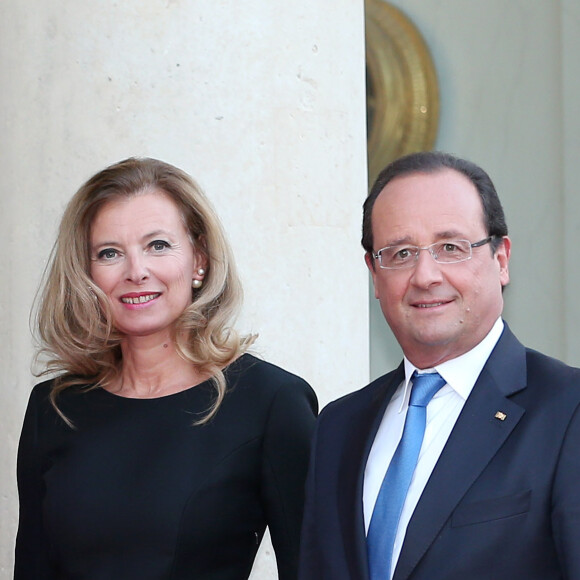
x=152, y=368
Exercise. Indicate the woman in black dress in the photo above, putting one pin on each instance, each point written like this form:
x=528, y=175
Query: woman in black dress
x=161, y=449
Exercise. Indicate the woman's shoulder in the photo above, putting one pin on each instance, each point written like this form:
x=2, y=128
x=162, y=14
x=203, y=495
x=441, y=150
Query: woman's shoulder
x=39, y=405
x=266, y=379
x=42, y=397
x=268, y=390
x=44, y=387
x=40, y=393
x=252, y=369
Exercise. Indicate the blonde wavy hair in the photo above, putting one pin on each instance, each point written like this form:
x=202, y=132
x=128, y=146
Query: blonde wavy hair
x=73, y=319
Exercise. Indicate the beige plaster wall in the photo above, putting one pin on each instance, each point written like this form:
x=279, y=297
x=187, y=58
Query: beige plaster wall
x=262, y=101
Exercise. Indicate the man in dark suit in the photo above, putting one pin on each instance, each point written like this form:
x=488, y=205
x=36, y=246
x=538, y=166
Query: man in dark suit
x=493, y=492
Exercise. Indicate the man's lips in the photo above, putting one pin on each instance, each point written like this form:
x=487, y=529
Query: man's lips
x=139, y=298
x=430, y=304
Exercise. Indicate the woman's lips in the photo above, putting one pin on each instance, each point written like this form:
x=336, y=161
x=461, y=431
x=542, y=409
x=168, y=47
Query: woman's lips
x=139, y=298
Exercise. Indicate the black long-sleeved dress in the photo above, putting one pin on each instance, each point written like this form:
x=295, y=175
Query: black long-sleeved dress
x=135, y=491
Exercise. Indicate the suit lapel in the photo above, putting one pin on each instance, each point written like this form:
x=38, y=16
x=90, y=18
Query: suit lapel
x=475, y=439
x=365, y=424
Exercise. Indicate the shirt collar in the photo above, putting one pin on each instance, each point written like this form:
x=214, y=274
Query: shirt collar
x=459, y=373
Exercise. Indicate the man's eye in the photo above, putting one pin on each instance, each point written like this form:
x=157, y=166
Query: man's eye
x=450, y=247
x=403, y=254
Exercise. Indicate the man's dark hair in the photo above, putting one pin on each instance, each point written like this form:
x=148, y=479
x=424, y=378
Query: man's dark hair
x=432, y=162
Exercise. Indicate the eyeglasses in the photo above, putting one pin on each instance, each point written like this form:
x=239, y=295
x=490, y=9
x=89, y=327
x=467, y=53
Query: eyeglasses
x=443, y=252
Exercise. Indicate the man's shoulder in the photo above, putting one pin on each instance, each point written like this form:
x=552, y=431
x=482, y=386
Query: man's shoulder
x=542, y=366
x=370, y=395
x=545, y=377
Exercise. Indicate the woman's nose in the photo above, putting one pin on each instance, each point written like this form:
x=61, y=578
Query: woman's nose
x=137, y=270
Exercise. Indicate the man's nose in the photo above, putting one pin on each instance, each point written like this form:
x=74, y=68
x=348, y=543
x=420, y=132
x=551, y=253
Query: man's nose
x=426, y=270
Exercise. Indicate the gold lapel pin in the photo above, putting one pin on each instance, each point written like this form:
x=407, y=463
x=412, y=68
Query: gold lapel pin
x=501, y=416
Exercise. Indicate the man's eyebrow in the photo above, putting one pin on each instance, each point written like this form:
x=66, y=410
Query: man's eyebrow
x=443, y=235
x=400, y=241
x=449, y=234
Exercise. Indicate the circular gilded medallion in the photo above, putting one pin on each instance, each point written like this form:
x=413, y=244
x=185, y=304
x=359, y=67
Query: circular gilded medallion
x=402, y=89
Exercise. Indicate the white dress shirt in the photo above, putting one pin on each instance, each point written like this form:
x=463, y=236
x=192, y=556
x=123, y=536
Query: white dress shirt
x=443, y=410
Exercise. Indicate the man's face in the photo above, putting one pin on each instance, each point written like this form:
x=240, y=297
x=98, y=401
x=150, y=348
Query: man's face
x=437, y=311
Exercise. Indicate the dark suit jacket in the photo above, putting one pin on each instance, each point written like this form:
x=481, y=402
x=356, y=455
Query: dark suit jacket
x=503, y=502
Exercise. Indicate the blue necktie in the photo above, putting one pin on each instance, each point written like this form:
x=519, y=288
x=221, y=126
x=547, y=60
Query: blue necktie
x=391, y=498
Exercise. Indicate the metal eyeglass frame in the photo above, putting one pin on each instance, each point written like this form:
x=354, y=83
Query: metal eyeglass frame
x=417, y=250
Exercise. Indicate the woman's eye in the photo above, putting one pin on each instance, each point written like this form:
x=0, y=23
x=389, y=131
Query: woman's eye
x=159, y=245
x=107, y=254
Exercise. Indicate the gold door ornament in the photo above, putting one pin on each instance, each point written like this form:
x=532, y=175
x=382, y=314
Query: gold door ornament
x=402, y=89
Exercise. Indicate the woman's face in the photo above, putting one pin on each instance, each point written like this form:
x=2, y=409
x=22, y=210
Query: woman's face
x=143, y=260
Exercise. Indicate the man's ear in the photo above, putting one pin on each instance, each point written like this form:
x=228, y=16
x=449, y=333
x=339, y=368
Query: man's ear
x=370, y=262
x=502, y=255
